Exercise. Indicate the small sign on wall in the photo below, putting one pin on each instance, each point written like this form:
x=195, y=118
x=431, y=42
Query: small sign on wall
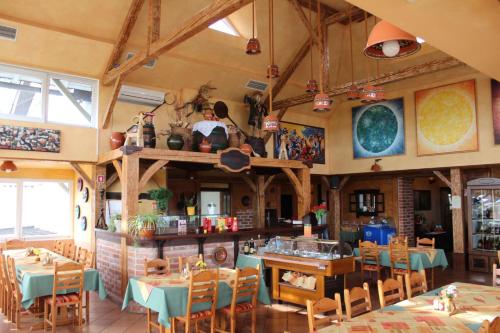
x=456, y=202
x=101, y=179
x=181, y=227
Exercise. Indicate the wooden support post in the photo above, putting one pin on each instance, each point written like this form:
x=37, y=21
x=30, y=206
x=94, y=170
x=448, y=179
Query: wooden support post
x=130, y=203
x=154, y=12
x=305, y=20
x=112, y=179
x=261, y=201
x=325, y=54
x=304, y=176
x=118, y=167
x=100, y=199
x=335, y=201
x=458, y=212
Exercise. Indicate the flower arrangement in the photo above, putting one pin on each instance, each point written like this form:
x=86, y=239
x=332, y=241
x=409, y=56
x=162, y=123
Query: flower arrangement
x=201, y=265
x=320, y=211
x=446, y=299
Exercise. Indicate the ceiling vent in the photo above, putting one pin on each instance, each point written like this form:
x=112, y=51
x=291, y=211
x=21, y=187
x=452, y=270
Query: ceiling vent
x=141, y=96
x=9, y=33
x=256, y=85
x=150, y=64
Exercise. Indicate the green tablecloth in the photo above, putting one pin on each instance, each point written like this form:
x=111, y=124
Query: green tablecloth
x=37, y=280
x=171, y=301
x=418, y=260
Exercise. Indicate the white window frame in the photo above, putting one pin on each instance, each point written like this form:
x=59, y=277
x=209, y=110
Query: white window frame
x=45, y=77
x=19, y=213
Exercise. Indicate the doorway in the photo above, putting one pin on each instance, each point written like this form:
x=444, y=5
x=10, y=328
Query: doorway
x=446, y=219
x=286, y=206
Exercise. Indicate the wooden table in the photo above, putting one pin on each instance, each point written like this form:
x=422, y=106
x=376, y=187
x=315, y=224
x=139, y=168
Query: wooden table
x=475, y=303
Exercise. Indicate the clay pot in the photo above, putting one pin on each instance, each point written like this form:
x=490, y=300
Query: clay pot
x=217, y=138
x=205, y=146
x=148, y=232
x=116, y=140
x=175, y=142
x=253, y=46
x=258, y=145
x=246, y=148
x=322, y=103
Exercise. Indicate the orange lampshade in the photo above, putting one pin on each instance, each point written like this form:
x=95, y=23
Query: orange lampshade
x=312, y=87
x=353, y=93
x=271, y=123
x=8, y=166
x=387, y=41
x=253, y=46
x=322, y=103
x=372, y=94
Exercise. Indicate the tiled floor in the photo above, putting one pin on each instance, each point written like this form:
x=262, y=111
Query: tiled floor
x=107, y=317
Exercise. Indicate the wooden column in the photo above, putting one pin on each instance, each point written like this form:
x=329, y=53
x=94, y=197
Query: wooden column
x=130, y=202
x=457, y=213
x=304, y=176
x=261, y=201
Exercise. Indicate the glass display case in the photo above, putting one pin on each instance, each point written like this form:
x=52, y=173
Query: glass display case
x=484, y=222
x=169, y=224
x=306, y=247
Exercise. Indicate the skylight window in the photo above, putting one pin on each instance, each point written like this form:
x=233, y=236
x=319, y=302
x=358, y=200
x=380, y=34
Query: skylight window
x=224, y=26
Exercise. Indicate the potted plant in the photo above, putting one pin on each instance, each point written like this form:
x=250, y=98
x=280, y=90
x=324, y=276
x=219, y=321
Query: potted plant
x=143, y=225
x=161, y=196
x=190, y=204
x=115, y=223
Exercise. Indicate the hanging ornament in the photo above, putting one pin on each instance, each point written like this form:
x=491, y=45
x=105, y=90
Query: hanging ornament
x=312, y=87
x=353, y=93
x=322, y=101
x=271, y=123
x=387, y=41
x=272, y=69
x=253, y=45
x=372, y=94
x=312, y=84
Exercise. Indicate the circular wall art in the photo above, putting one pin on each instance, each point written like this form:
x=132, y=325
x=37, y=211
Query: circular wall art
x=85, y=194
x=220, y=255
x=77, y=211
x=83, y=223
x=246, y=201
x=79, y=183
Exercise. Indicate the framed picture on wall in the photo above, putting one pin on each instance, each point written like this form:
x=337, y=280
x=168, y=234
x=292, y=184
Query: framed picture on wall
x=300, y=142
x=495, y=105
x=378, y=129
x=446, y=119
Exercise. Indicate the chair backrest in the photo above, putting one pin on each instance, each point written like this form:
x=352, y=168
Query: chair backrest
x=496, y=275
x=90, y=260
x=13, y=244
x=246, y=286
x=398, y=254
x=390, y=291
x=398, y=239
x=190, y=260
x=202, y=289
x=324, y=306
x=12, y=275
x=416, y=284
x=59, y=247
x=81, y=255
x=156, y=266
x=68, y=275
x=369, y=252
x=487, y=327
x=70, y=251
x=357, y=301
x=426, y=242
x=4, y=274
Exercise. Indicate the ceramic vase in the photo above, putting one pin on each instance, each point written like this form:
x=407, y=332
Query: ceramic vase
x=116, y=140
x=205, y=146
x=175, y=142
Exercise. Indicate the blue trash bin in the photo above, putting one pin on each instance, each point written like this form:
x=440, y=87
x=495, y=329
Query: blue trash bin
x=379, y=233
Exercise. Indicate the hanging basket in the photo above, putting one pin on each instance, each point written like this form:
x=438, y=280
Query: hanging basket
x=353, y=93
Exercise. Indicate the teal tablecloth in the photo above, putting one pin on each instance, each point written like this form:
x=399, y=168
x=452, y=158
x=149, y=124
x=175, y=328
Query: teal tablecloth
x=245, y=260
x=36, y=281
x=172, y=301
x=419, y=261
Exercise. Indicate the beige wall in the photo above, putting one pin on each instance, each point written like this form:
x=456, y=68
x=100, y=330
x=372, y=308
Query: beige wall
x=84, y=238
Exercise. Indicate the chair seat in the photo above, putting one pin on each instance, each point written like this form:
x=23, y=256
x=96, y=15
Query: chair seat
x=239, y=308
x=61, y=299
x=401, y=271
x=368, y=267
x=201, y=314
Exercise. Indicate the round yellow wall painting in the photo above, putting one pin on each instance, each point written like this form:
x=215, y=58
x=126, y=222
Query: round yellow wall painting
x=446, y=119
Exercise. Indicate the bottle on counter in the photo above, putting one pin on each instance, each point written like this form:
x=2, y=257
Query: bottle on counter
x=246, y=247
x=252, y=246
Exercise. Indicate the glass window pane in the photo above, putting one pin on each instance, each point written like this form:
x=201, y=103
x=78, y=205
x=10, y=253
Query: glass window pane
x=20, y=95
x=46, y=209
x=8, y=209
x=70, y=102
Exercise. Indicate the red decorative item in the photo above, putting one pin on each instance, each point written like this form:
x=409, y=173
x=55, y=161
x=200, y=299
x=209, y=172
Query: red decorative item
x=353, y=93
x=312, y=87
x=322, y=103
x=246, y=148
x=234, y=226
x=271, y=123
x=273, y=71
x=205, y=146
x=116, y=140
x=8, y=166
x=372, y=94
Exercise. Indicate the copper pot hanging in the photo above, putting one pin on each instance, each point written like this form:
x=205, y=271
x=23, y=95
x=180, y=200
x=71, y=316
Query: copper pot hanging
x=372, y=94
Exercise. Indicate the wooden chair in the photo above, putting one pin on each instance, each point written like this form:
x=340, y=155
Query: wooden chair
x=324, y=305
x=81, y=255
x=426, y=242
x=390, y=291
x=2, y=286
x=86, y=258
x=416, y=284
x=190, y=260
x=59, y=247
x=89, y=260
x=202, y=289
x=357, y=301
x=244, y=298
x=399, y=257
x=487, y=327
x=7, y=288
x=13, y=244
x=496, y=275
x=67, y=276
x=160, y=267
x=70, y=251
x=398, y=239
x=369, y=258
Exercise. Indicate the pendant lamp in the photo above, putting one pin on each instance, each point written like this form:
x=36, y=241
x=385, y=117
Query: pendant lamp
x=322, y=101
x=8, y=166
x=371, y=94
x=253, y=45
x=312, y=84
x=387, y=41
x=353, y=93
x=272, y=69
x=271, y=122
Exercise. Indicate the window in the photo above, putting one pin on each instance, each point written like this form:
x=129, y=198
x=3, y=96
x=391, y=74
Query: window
x=224, y=26
x=47, y=97
x=35, y=209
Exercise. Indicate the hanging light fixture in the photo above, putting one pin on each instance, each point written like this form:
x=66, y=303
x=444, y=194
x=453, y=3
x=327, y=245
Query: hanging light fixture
x=387, y=41
x=8, y=166
x=312, y=84
x=370, y=93
x=272, y=69
x=353, y=92
x=253, y=45
x=321, y=101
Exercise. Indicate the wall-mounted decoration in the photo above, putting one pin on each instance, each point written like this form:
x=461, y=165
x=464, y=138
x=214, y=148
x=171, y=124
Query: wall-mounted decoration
x=246, y=201
x=83, y=223
x=78, y=211
x=85, y=194
x=495, y=104
x=378, y=129
x=446, y=119
x=302, y=142
x=30, y=139
x=219, y=255
x=79, y=184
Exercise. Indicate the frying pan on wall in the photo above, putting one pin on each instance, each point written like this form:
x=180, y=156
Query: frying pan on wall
x=221, y=111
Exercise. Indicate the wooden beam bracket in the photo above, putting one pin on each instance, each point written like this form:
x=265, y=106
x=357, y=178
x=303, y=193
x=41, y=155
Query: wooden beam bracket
x=150, y=172
x=443, y=178
x=118, y=167
x=249, y=182
x=81, y=173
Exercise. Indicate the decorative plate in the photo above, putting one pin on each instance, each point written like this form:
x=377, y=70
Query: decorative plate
x=85, y=195
x=83, y=223
x=80, y=184
x=220, y=255
x=78, y=211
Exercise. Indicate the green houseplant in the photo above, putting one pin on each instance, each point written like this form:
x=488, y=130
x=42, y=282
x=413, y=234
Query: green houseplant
x=161, y=195
x=143, y=225
x=190, y=205
x=115, y=223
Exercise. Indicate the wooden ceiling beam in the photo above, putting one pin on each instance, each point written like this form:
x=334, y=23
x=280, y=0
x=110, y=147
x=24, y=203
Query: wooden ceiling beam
x=111, y=104
x=403, y=74
x=127, y=26
x=154, y=19
x=219, y=9
x=305, y=20
x=324, y=8
x=341, y=17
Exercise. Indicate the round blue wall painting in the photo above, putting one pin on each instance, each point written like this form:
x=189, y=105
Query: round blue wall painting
x=378, y=129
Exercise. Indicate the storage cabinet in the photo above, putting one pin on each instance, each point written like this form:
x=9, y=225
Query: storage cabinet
x=484, y=222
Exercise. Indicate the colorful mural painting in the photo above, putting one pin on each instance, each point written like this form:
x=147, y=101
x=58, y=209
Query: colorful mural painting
x=30, y=139
x=304, y=143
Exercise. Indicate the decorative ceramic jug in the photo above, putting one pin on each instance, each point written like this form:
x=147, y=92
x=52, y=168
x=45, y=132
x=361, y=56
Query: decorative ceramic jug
x=116, y=140
x=205, y=146
x=175, y=142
